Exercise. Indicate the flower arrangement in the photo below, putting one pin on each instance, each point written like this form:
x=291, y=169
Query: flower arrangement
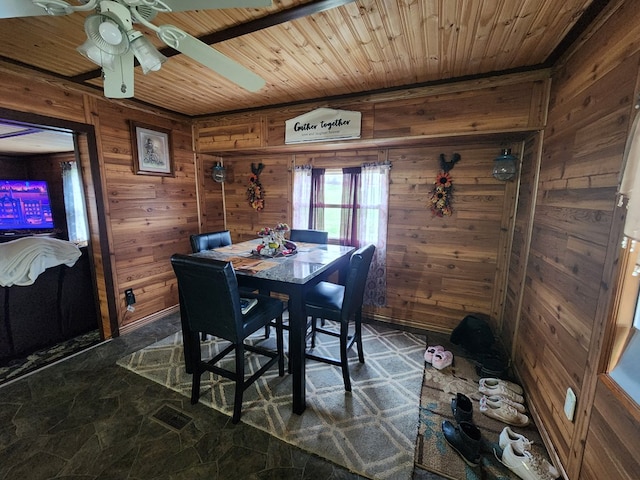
x=441, y=195
x=255, y=192
x=442, y=192
x=273, y=241
x=265, y=232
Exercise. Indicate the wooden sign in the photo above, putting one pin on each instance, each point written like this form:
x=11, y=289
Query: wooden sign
x=323, y=124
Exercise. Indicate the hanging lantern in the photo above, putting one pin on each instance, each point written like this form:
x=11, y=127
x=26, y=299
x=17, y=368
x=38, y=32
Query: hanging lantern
x=504, y=166
x=218, y=173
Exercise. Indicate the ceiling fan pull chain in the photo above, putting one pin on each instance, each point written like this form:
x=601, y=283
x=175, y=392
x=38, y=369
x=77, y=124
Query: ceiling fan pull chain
x=123, y=86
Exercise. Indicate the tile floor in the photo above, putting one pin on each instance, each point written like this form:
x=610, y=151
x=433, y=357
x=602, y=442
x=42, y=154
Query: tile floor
x=86, y=418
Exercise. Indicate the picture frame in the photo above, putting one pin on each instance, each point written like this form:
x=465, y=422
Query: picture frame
x=152, y=150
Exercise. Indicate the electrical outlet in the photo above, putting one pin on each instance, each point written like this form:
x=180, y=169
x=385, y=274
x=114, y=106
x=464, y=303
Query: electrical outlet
x=129, y=297
x=570, y=404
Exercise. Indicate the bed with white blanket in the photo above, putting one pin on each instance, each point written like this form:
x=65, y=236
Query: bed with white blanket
x=47, y=294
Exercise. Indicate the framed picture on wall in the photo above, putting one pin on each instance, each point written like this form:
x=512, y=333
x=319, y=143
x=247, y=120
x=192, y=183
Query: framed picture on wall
x=152, y=150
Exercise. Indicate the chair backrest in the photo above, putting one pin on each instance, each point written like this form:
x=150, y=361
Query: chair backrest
x=356, y=281
x=310, y=236
x=209, y=296
x=207, y=241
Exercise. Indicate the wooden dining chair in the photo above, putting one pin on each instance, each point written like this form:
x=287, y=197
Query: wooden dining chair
x=341, y=304
x=210, y=304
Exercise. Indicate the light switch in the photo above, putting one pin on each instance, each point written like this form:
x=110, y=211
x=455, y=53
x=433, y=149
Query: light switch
x=570, y=404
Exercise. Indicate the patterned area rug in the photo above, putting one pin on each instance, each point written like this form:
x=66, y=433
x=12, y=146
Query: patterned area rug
x=370, y=431
x=18, y=367
x=439, y=387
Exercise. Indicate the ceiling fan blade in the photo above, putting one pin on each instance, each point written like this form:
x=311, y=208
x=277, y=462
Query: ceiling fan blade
x=211, y=58
x=184, y=5
x=19, y=8
x=119, y=82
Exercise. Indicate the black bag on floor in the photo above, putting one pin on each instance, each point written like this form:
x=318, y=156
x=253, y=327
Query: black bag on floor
x=474, y=335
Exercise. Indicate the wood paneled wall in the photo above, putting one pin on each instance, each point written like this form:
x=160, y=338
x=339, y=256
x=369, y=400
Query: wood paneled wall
x=439, y=269
x=150, y=217
x=147, y=218
x=574, y=244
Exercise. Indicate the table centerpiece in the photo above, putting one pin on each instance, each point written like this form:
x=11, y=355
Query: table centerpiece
x=274, y=242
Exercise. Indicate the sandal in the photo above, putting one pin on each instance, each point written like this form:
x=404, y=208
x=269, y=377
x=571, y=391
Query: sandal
x=442, y=359
x=428, y=355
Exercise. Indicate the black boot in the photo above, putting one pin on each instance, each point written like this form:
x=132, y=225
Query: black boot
x=464, y=439
x=462, y=408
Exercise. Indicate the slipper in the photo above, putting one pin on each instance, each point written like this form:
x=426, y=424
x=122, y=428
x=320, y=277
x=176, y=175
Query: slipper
x=442, y=359
x=428, y=355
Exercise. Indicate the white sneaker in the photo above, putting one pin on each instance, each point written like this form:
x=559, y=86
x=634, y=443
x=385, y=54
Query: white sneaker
x=498, y=400
x=503, y=413
x=501, y=391
x=526, y=464
x=509, y=436
x=494, y=382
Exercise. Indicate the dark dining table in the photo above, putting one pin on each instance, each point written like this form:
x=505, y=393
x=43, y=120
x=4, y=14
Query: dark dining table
x=292, y=275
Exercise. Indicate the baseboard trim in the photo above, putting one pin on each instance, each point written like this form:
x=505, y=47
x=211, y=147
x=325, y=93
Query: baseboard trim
x=148, y=319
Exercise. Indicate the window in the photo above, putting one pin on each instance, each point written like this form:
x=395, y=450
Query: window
x=624, y=354
x=351, y=204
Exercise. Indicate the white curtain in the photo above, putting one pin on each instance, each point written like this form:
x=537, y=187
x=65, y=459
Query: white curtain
x=74, y=203
x=372, y=227
x=630, y=185
x=301, y=196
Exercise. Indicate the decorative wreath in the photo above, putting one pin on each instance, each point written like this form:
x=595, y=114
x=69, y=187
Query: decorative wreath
x=442, y=192
x=255, y=192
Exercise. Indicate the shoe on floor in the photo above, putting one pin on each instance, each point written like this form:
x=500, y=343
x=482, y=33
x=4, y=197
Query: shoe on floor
x=509, y=436
x=428, y=355
x=503, y=413
x=526, y=464
x=462, y=408
x=442, y=359
x=501, y=391
x=494, y=382
x=465, y=438
x=498, y=400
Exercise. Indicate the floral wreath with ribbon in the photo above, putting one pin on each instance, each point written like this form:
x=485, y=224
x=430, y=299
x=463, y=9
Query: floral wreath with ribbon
x=442, y=193
x=255, y=192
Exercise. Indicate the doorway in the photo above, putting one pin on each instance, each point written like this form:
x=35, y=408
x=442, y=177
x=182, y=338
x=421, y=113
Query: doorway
x=44, y=133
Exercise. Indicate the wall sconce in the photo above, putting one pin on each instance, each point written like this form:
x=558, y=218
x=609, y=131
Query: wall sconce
x=218, y=173
x=504, y=166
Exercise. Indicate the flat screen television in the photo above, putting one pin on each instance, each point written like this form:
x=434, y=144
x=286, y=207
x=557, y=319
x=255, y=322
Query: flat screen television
x=25, y=207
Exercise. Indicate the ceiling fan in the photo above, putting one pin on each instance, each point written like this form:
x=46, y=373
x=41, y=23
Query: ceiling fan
x=113, y=43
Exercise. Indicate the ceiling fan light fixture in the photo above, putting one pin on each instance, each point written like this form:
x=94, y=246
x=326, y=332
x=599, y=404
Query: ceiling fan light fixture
x=110, y=33
x=148, y=56
x=106, y=34
x=90, y=51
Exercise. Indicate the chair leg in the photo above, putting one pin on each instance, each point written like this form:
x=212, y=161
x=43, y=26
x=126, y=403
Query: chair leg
x=237, y=403
x=344, y=361
x=195, y=385
x=313, y=331
x=280, y=346
x=358, y=334
x=196, y=359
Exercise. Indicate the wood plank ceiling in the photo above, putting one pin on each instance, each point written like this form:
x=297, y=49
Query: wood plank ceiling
x=346, y=47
